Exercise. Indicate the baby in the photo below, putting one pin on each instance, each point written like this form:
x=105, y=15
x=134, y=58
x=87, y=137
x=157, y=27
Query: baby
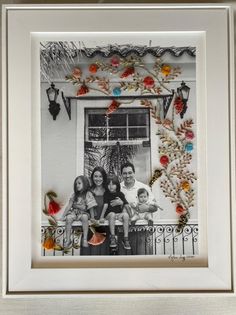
x=139, y=213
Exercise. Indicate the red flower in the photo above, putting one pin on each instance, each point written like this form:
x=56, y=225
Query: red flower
x=53, y=207
x=93, y=68
x=164, y=160
x=128, y=71
x=178, y=104
x=148, y=82
x=82, y=90
x=112, y=107
x=179, y=209
x=115, y=61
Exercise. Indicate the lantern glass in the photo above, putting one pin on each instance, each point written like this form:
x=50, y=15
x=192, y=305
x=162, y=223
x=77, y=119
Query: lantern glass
x=52, y=93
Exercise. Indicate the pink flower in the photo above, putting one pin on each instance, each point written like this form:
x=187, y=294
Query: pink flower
x=189, y=134
x=115, y=61
x=77, y=73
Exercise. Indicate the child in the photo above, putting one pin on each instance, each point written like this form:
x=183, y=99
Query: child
x=139, y=214
x=113, y=213
x=77, y=209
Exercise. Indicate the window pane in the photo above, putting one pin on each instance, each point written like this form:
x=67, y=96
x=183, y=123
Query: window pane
x=137, y=133
x=138, y=119
x=117, y=120
x=97, y=134
x=96, y=120
x=117, y=134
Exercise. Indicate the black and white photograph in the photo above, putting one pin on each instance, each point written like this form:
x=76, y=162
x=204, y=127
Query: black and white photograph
x=118, y=148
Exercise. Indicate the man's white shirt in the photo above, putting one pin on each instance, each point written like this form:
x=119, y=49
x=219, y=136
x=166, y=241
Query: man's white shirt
x=131, y=192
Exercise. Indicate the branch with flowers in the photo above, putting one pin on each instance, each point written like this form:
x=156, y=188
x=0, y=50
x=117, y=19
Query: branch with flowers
x=175, y=157
x=150, y=81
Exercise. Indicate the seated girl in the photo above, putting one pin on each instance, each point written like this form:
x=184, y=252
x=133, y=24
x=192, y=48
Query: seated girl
x=113, y=213
x=80, y=207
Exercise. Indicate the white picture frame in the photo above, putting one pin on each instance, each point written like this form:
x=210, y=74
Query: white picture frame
x=23, y=24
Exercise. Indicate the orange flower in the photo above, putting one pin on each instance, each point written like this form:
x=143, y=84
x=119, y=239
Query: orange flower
x=166, y=70
x=49, y=243
x=185, y=186
x=93, y=68
x=76, y=73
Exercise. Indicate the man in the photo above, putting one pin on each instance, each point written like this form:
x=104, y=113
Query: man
x=130, y=187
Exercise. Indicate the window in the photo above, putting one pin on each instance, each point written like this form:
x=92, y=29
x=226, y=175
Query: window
x=123, y=125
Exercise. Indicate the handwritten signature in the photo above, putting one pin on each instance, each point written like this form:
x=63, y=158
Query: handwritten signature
x=180, y=257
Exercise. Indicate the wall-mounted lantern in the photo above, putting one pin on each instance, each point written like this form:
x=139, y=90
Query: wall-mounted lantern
x=54, y=107
x=183, y=93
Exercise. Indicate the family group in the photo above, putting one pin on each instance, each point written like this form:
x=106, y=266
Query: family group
x=105, y=198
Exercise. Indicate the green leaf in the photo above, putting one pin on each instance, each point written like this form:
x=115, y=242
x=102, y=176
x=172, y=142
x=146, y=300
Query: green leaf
x=45, y=211
x=51, y=193
x=58, y=247
x=52, y=222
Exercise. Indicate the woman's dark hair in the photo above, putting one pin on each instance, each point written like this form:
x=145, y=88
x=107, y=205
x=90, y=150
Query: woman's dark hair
x=104, y=176
x=127, y=164
x=85, y=188
x=115, y=180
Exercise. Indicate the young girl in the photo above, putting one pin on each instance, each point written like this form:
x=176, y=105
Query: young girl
x=77, y=209
x=113, y=213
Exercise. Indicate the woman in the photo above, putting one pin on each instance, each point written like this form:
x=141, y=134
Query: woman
x=99, y=186
x=99, y=182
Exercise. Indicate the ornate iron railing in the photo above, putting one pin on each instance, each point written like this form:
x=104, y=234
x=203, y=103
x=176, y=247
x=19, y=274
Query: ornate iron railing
x=159, y=239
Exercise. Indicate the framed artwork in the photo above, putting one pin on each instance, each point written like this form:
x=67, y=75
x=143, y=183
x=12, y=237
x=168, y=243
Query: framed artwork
x=118, y=149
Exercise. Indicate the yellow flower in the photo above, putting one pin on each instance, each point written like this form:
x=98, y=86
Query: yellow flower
x=185, y=186
x=166, y=70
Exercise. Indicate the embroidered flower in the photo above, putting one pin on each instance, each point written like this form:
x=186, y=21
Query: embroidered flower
x=93, y=68
x=166, y=70
x=179, y=209
x=53, y=207
x=116, y=91
x=128, y=71
x=164, y=160
x=178, y=104
x=115, y=61
x=82, y=90
x=49, y=243
x=189, y=147
x=76, y=73
x=185, y=186
x=148, y=82
x=189, y=134
x=112, y=107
